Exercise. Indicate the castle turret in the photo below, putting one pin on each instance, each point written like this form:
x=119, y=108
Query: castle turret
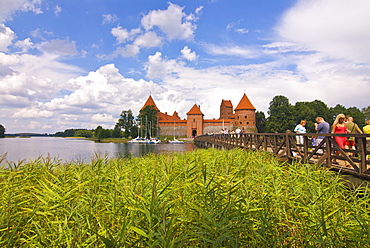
x=245, y=115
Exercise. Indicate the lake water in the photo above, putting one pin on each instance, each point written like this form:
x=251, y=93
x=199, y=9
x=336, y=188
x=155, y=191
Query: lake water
x=71, y=149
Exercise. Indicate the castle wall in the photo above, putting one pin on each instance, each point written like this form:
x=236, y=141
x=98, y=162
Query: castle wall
x=177, y=129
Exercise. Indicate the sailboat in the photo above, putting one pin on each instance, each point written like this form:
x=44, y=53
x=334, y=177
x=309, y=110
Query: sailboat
x=151, y=140
x=175, y=141
x=139, y=139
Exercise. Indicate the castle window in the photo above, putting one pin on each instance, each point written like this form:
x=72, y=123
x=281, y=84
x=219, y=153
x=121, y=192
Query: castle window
x=245, y=117
x=247, y=122
x=241, y=123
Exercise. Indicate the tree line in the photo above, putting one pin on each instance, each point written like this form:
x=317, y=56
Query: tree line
x=284, y=116
x=144, y=125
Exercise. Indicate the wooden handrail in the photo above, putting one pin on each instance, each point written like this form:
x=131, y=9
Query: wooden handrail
x=284, y=145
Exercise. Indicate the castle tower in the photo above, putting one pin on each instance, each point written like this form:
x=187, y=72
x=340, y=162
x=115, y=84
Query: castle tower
x=226, y=109
x=194, y=124
x=245, y=115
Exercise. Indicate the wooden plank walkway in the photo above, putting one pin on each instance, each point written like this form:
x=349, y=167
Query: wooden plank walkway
x=355, y=162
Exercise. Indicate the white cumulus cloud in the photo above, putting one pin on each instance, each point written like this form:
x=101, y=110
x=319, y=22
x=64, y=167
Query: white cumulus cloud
x=171, y=21
x=8, y=7
x=337, y=28
x=188, y=54
x=6, y=37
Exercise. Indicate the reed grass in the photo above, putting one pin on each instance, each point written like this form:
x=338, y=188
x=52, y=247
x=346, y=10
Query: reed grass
x=204, y=198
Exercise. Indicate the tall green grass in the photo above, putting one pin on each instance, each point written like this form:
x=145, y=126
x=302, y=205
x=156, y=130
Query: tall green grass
x=204, y=198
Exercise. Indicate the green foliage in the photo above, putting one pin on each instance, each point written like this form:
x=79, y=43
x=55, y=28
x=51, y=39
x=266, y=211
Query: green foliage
x=309, y=111
x=67, y=133
x=2, y=131
x=101, y=133
x=357, y=115
x=281, y=115
x=260, y=121
x=127, y=123
x=117, y=132
x=148, y=119
x=366, y=112
x=84, y=133
x=205, y=198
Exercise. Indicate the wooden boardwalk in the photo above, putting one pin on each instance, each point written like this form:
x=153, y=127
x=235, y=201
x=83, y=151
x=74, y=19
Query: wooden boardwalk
x=284, y=146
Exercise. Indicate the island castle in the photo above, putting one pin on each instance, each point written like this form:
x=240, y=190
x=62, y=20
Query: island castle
x=243, y=117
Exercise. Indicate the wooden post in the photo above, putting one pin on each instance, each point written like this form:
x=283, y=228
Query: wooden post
x=328, y=149
x=305, y=149
x=287, y=144
x=362, y=146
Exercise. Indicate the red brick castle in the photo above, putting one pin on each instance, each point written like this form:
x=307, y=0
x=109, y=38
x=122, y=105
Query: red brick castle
x=243, y=117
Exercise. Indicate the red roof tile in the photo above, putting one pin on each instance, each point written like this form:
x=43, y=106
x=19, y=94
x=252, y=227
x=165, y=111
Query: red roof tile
x=245, y=104
x=195, y=110
x=150, y=101
x=227, y=103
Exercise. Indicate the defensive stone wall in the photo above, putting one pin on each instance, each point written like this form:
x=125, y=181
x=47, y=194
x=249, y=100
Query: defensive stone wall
x=179, y=131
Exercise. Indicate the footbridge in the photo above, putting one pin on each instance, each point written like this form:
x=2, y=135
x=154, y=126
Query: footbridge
x=355, y=161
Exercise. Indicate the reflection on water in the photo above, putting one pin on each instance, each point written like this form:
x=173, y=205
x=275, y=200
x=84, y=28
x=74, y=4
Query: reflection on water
x=70, y=149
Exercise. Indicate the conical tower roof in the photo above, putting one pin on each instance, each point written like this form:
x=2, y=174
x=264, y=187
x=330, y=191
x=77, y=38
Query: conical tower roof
x=245, y=104
x=195, y=110
x=148, y=102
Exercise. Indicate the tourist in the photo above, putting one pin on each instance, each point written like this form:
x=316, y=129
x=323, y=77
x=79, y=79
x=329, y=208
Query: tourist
x=238, y=131
x=339, y=126
x=366, y=130
x=353, y=128
x=300, y=128
x=321, y=126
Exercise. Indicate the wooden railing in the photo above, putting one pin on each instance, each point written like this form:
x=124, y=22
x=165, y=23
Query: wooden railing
x=284, y=145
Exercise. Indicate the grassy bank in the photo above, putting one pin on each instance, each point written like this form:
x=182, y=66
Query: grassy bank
x=204, y=198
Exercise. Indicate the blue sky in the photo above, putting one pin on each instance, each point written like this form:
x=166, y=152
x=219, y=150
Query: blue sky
x=78, y=64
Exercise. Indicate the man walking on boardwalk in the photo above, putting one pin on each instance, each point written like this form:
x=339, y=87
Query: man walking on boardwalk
x=321, y=126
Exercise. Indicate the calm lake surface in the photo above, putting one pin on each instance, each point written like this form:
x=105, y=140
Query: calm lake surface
x=71, y=149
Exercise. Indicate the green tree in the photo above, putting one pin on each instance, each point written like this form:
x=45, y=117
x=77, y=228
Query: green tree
x=281, y=115
x=366, y=112
x=67, y=133
x=2, y=131
x=334, y=111
x=358, y=116
x=84, y=133
x=309, y=111
x=148, y=119
x=101, y=133
x=117, y=132
x=97, y=131
x=260, y=121
x=126, y=122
